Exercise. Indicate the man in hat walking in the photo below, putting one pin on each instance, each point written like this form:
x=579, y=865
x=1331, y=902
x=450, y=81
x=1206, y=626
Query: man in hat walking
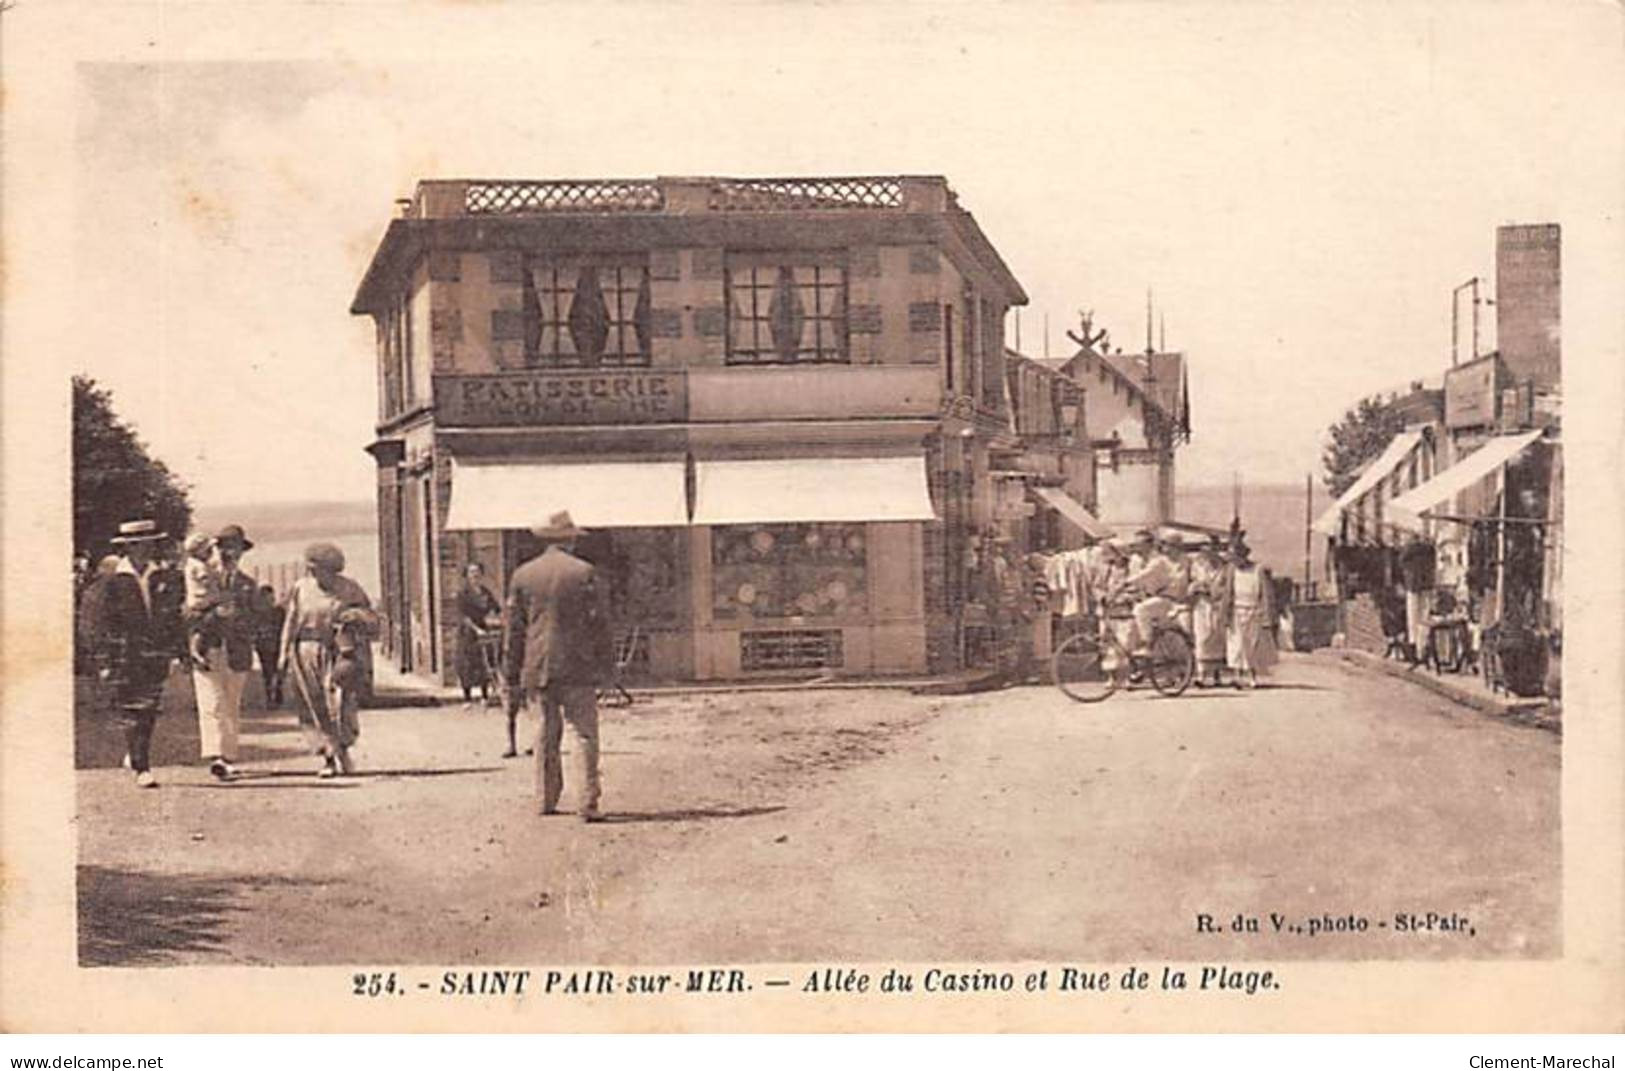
x=227, y=621
x=132, y=640
x=559, y=642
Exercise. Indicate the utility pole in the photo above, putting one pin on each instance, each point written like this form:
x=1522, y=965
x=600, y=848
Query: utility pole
x=1455, y=318
x=1046, y=333
x=1475, y=317
x=1235, y=504
x=1308, y=525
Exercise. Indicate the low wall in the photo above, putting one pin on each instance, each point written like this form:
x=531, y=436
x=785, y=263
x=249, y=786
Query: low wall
x=1362, y=625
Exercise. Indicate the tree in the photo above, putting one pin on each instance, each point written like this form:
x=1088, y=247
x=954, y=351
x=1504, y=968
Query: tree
x=1364, y=432
x=114, y=478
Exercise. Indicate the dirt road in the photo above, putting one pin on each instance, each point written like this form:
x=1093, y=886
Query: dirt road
x=857, y=825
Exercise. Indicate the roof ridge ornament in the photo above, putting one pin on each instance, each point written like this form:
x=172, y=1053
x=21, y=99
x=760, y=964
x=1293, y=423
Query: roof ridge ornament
x=1087, y=339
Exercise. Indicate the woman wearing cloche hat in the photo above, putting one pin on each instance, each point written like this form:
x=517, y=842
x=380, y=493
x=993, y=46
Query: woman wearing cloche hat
x=324, y=647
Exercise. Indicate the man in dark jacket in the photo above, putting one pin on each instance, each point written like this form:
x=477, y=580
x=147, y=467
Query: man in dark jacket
x=219, y=681
x=132, y=627
x=559, y=645
x=268, y=615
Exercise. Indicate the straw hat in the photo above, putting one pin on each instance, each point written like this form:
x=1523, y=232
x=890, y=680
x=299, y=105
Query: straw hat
x=143, y=531
x=559, y=526
x=1116, y=545
x=1179, y=539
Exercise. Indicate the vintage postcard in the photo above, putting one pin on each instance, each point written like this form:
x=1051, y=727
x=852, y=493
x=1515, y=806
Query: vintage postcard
x=559, y=516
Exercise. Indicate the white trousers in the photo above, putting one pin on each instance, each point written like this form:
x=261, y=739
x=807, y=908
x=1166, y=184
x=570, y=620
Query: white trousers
x=219, y=702
x=1149, y=613
x=1416, y=620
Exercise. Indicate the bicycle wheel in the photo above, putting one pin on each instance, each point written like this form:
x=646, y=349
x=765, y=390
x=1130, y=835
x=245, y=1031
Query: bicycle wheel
x=1086, y=667
x=1172, y=663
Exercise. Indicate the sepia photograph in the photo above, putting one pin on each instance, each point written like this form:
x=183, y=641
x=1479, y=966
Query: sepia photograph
x=783, y=504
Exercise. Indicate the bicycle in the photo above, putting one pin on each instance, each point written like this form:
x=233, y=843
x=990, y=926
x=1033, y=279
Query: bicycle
x=490, y=648
x=614, y=693
x=1092, y=664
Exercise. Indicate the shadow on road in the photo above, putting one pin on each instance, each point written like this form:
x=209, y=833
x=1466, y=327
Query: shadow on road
x=689, y=814
x=448, y=772
x=308, y=778
x=271, y=775
x=244, y=783
x=127, y=918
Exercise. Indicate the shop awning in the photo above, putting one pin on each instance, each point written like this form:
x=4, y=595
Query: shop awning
x=789, y=490
x=1330, y=522
x=1073, y=510
x=643, y=494
x=1444, y=487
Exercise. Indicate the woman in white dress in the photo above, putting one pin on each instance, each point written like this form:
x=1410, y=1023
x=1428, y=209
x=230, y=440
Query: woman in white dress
x=1209, y=578
x=329, y=624
x=1250, y=649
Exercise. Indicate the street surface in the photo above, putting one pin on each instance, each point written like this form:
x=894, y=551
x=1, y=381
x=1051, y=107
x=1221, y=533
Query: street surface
x=855, y=825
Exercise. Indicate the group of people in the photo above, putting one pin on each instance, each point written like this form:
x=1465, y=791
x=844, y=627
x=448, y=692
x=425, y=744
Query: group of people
x=139, y=614
x=1211, y=588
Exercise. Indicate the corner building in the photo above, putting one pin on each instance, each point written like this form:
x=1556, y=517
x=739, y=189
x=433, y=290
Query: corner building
x=771, y=400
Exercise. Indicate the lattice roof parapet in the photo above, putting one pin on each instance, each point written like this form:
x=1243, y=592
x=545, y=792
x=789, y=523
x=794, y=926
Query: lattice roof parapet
x=597, y=195
x=758, y=195
x=538, y=196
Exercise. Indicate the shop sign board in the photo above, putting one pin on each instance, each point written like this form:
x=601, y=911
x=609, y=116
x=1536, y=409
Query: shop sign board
x=1471, y=392
x=608, y=396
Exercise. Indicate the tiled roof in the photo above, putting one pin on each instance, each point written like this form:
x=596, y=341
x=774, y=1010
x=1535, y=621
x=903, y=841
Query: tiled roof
x=1158, y=377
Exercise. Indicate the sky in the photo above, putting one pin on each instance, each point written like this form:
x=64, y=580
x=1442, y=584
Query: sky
x=1301, y=186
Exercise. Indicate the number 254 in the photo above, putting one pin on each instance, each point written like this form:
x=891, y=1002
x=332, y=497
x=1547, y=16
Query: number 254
x=373, y=985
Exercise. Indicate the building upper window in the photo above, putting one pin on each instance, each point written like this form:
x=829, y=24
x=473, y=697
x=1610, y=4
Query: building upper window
x=992, y=321
x=393, y=343
x=785, y=309
x=972, y=378
x=587, y=313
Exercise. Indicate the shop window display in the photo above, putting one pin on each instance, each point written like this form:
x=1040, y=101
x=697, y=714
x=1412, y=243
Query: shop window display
x=789, y=571
x=641, y=564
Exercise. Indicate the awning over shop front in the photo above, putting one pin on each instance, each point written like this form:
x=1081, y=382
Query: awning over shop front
x=1330, y=522
x=1073, y=510
x=1443, y=488
x=643, y=494
x=797, y=490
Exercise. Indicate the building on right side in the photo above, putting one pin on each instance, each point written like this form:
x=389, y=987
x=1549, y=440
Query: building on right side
x=1448, y=546
x=1528, y=303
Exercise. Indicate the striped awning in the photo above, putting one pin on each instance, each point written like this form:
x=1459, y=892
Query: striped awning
x=1073, y=511
x=1407, y=509
x=812, y=490
x=1330, y=522
x=641, y=494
